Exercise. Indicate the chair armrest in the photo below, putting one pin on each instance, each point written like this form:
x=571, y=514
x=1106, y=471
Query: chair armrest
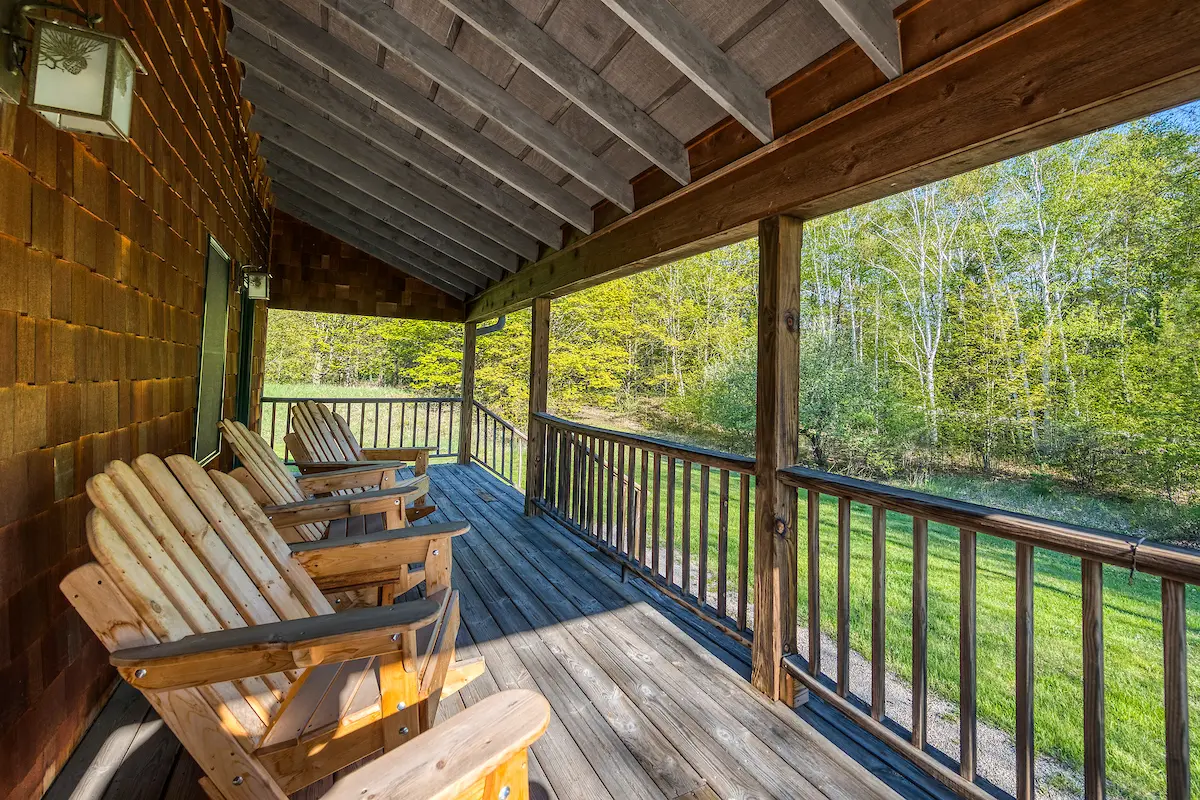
x=447, y=761
x=373, y=559
x=324, y=509
x=238, y=653
x=316, y=467
x=356, y=475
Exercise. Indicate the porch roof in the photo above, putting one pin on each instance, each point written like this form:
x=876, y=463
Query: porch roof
x=500, y=151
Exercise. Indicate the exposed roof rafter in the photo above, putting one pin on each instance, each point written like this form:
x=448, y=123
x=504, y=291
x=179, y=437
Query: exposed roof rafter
x=358, y=118
x=683, y=44
x=437, y=260
x=294, y=113
x=363, y=73
x=328, y=159
x=872, y=26
x=511, y=30
x=306, y=211
x=394, y=31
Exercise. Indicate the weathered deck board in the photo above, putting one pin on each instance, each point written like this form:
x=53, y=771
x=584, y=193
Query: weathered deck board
x=648, y=702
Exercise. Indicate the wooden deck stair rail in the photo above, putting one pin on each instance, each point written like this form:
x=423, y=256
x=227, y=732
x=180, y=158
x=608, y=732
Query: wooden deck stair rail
x=641, y=499
x=498, y=445
x=208, y=612
x=1177, y=568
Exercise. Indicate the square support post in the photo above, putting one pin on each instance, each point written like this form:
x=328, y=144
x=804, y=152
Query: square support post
x=539, y=368
x=776, y=445
x=466, y=421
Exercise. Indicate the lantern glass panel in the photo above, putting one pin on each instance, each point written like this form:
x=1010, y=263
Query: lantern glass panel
x=71, y=67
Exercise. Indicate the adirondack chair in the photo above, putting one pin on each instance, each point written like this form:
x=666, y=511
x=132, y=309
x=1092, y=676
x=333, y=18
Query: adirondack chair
x=321, y=440
x=208, y=612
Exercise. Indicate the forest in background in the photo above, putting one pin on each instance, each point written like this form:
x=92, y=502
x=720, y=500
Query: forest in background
x=1037, y=319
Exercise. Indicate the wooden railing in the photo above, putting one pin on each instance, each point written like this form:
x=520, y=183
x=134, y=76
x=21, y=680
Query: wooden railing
x=658, y=509
x=376, y=421
x=499, y=446
x=1175, y=566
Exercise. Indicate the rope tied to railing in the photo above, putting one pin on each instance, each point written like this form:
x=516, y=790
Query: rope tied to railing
x=1133, y=551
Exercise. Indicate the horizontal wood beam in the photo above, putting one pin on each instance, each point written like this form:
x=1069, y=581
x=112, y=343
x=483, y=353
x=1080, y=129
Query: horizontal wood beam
x=412, y=234
x=295, y=206
x=678, y=40
x=394, y=31
x=511, y=30
x=358, y=117
x=364, y=74
x=421, y=252
x=872, y=26
x=330, y=160
x=1062, y=69
x=292, y=112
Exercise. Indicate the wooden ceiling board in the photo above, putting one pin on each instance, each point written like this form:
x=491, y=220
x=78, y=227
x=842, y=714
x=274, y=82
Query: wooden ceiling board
x=479, y=51
x=311, y=9
x=586, y=29
x=688, y=112
x=625, y=160
x=720, y=19
x=793, y=36
x=537, y=94
x=583, y=192
x=434, y=18
x=583, y=128
x=641, y=73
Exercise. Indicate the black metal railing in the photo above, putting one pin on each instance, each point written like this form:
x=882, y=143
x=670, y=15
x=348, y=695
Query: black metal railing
x=375, y=421
x=499, y=446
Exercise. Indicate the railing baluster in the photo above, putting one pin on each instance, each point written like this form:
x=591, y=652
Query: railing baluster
x=591, y=485
x=644, y=510
x=920, y=631
x=624, y=544
x=609, y=489
x=362, y=417
x=402, y=415
x=878, y=612
x=723, y=546
x=1093, y=680
x=843, y=578
x=427, y=409
x=274, y=406
x=438, y=440
x=743, y=549
x=550, y=493
x=967, y=689
x=814, y=582
x=1175, y=689
x=564, y=472
x=375, y=436
x=391, y=405
x=702, y=580
x=656, y=511
x=669, y=533
x=637, y=538
x=1024, y=673
x=686, y=541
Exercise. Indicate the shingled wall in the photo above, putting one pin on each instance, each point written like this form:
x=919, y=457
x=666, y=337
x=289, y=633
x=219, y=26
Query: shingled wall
x=313, y=271
x=102, y=253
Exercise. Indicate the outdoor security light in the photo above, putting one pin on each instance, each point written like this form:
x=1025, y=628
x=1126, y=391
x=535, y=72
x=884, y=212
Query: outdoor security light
x=257, y=282
x=80, y=79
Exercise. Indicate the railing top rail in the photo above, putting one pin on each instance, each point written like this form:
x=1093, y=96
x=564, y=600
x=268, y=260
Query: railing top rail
x=698, y=455
x=363, y=399
x=1165, y=561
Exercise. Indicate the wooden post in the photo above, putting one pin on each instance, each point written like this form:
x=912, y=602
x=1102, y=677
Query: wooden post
x=466, y=422
x=539, y=366
x=776, y=445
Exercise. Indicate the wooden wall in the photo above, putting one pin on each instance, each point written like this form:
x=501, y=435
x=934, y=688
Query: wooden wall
x=102, y=249
x=313, y=271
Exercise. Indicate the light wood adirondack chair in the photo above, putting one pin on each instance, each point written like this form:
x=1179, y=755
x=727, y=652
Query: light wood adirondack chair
x=218, y=622
x=321, y=440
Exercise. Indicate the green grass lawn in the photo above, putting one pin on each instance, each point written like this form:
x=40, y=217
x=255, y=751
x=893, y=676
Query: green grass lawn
x=1132, y=621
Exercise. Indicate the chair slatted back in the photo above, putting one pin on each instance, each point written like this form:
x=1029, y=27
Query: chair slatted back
x=273, y=477
x=325, y=435
x=191, y=552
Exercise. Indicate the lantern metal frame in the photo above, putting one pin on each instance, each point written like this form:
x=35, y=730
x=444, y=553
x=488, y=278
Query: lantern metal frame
x=250, y=270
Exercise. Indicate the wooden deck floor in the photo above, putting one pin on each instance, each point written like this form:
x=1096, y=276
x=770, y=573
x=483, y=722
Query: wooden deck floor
x=648, y=702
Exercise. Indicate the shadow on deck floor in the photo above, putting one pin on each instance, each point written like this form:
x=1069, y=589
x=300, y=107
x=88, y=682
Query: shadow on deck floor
x=649, y=702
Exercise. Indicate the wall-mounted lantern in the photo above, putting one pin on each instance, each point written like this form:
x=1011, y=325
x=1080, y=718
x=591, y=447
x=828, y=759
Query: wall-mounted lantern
x=257, y=283
x=80, y=79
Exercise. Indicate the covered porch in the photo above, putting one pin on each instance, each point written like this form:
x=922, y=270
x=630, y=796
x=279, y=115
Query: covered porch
x=649, y=701
x=461, y=160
